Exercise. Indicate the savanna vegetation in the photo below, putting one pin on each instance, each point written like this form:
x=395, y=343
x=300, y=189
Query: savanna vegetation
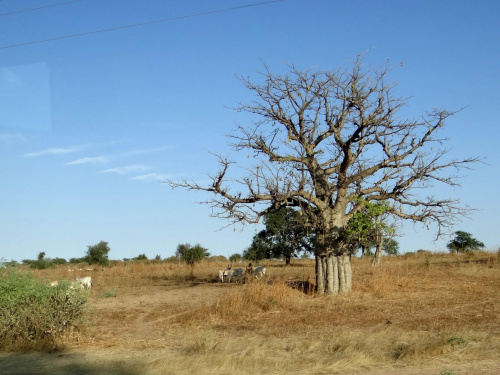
x=35, y=315
x=428, y=313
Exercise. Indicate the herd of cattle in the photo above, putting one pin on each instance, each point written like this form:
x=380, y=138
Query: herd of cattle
x=224, y=275
x=230, y=273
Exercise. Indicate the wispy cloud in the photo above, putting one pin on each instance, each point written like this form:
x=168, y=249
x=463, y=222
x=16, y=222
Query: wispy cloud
x=145, y=151
x=88, y=160
x=54, y=151
x=159, y=177
x=12, y=138
x=127, y=169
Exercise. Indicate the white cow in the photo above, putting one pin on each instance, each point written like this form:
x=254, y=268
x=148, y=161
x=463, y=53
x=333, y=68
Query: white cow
x=85, y=282
x=54, y=283
x=221, y=275
x=238, y=272
x=224, y=273
x=259, y=271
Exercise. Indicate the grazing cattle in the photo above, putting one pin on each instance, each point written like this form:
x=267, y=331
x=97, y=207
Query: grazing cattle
x=259, y=272
x=238, y=272
x=85, y=282
x=249, y=270
x=54, y=283
x=221, y=275
x=225, y=273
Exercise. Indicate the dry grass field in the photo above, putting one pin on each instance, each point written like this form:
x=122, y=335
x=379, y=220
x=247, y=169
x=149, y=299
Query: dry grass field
x=421, y=314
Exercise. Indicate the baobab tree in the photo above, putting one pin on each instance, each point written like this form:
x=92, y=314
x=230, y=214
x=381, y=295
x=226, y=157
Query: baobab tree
x=323, y=142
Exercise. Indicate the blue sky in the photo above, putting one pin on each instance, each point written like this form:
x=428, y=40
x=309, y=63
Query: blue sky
x=89, y=125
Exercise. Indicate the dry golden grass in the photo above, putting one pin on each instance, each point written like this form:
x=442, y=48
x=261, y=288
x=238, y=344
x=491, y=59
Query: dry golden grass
x=439, y=311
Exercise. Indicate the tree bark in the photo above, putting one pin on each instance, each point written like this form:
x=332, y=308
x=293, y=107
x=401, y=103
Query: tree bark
x=335, y=264
x=287, y=261
x=333, y=268
x=377, y=258
x=320, y=280
x=342, y=275
x=323, y=267
x=363, y=247
x=329, y=275
x=347, y=272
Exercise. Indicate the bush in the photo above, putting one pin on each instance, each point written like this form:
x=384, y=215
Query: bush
x=41, y=264
x=34, y=315
x=79, y=260
x=172, y=259
x=59, y=261
x=217, y=259
x=236, y=258
x=98, y=254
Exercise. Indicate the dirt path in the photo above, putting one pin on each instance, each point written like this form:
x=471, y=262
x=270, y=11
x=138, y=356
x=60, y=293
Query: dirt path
x=133, y=319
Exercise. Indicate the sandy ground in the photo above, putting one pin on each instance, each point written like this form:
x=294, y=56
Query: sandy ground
x=135, y=333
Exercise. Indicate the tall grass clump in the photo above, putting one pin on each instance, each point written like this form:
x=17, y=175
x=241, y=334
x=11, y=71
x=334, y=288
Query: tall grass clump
x=248, y=302
x=35, y=315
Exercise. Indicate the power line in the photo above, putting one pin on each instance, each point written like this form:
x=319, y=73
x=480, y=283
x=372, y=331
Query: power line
x=43, y=7
x=141, y=24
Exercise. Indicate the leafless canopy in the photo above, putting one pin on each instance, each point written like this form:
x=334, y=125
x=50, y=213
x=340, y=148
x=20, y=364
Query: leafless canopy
x=322, y=140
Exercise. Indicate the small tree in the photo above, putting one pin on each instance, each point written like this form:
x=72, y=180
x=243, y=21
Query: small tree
x=285, y=234
x=140, y=257
x=191, y=254
x=41, y=263
x=59, y=261
x=391, y=247
x=368, y=228
x=78, y=260
x=235, y=257
x=98, y=254
x=464, y=242
x=257, y=250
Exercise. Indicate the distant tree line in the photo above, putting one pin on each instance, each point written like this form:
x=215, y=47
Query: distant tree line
x=95, y=254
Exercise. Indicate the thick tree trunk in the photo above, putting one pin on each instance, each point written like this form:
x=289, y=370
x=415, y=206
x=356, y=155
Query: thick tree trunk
x=329, y=275
x=347, y=273
x=333, y=267
x=287, y=261
x=338, y=275
x=342, y=274
x=320, y=279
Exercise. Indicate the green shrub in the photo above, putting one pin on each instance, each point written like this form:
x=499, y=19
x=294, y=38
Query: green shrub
x=110, y=293
x=59, y=261
x=98, y=254
x=41, y=264
x=34, y=315
x=79, y=260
